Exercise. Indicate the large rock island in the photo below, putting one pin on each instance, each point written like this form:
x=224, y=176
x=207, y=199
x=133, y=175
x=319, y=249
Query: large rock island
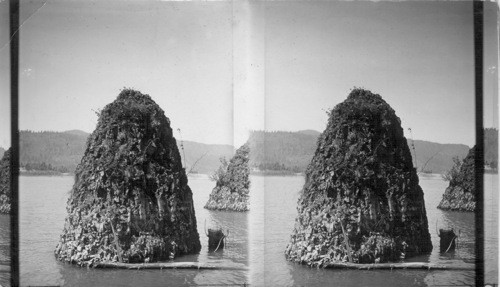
x=460, y=194
x=130, y=201
x=5, y=194
x=361, y=201
x=232, y=183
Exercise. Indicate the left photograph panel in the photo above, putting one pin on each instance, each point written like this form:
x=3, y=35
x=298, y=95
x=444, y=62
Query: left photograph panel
x=125, y=111
x=5, y=144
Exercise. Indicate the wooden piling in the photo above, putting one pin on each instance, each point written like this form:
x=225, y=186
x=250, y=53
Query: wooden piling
x=447, y=238
x=215, y=239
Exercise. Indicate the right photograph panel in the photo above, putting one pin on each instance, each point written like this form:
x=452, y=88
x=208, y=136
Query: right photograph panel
x=366, y=160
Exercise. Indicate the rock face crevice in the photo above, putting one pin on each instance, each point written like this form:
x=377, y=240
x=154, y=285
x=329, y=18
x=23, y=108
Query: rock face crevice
x=361, y=201
x=5, y=194
x=232, y=183
x=460, y=194
x=130, y=201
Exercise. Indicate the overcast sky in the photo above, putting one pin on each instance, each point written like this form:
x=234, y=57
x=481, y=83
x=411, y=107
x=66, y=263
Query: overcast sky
x=419, y=56
x=4, y=75
x=277, y=65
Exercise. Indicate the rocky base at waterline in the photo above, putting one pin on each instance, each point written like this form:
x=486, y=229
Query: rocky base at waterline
x=232, y=183
x=460, y=194
x=5, y=182
x=225, y=200
x=361, y=201
x=131, y=202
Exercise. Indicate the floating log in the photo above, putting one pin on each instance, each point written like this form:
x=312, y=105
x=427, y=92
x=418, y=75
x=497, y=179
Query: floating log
x=405, y=265
x=168, y=265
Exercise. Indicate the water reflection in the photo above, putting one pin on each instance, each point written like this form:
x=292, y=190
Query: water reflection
x=328, y=277
x=257, y=238
x=256, y=231
x=43, y=209
x=463, y=224
x=279, y=196
x=235, y=226
x=74, y=276
x=450, y=278
x=491, y=228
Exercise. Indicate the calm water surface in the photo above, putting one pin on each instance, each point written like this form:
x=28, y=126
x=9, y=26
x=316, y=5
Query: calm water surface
x=278, y=213
x=259, y=243
x=491, y=227
x=42, y=214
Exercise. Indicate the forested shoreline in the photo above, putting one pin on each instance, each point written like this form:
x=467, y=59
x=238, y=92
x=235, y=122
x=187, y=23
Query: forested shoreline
x=273, y=153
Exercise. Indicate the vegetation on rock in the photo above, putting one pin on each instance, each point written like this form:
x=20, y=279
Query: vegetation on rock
x=361, y=201
x=131, y=201
x=232, y=183
x=460, y=194
x=453, y=171
x=5, y=194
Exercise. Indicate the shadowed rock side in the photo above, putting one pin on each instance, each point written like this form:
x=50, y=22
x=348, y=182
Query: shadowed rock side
x=5, y=182
x=232, y=183
x=131, y=201
x=460, y=194
x=361, y=201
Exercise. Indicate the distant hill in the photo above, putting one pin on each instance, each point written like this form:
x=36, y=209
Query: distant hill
x=310, y=132
x=2, y=151
x=292, y=151
x=436, y=157
x=279, y=151
x=282, y=151
x=77, y=133
x=62, y=151
x=208, y=155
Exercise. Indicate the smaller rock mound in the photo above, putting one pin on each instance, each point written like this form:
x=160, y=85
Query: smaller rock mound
x=460, y=194
x=232, y=183
x=5, y=182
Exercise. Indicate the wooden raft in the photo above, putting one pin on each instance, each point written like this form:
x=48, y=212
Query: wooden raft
x=405, y=265
x=167, y=265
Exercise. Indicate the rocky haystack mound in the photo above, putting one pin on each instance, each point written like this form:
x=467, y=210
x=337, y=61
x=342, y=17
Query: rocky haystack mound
x=131, y=201
x=232, y=183
x=460, y=194
x=5, y=182
x=361, y=201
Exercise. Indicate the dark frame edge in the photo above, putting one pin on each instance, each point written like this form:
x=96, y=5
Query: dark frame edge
x=479, y=154
x=14, y=171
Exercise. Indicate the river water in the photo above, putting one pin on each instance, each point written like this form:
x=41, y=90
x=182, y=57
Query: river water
x=278, y=213
x=257, y=238
x=42, y=213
